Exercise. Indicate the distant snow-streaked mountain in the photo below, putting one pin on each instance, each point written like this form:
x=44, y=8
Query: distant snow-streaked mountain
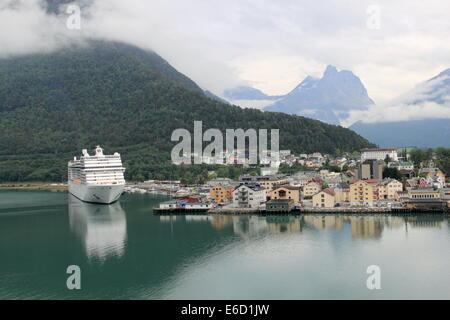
x=328, y=99
x=436, y=89
x=427, y=132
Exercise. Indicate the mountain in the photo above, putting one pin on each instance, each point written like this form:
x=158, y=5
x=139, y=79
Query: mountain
x=328, y=99
x=247, y=93
x=436, y=89
x=127, y=100
x=428, y=132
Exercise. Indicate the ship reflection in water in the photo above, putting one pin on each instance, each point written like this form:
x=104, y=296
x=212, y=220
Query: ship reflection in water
x=101, y=228
x=361, y=227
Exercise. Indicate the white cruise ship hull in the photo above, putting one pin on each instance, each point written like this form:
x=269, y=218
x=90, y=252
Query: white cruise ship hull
x=104, y=194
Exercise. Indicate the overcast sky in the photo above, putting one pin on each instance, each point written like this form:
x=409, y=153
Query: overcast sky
x=270, y=45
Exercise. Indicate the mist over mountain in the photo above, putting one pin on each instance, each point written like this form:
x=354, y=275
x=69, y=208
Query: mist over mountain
x=429, y=100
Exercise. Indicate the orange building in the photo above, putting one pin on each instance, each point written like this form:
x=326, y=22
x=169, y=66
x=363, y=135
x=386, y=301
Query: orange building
x=220, y=194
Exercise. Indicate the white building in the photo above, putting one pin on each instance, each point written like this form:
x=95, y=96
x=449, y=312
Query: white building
x=378, y=154
x=249, y=196
x=199, y=205
x=401, y=165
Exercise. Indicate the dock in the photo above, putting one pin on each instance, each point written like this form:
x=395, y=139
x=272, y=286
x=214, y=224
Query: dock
x=254, y=211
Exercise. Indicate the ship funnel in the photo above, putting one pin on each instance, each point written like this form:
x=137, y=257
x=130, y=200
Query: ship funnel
x=99, y=152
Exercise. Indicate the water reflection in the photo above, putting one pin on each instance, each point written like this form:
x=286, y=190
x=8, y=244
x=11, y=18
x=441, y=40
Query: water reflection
x=101, y=228
x=362, y=227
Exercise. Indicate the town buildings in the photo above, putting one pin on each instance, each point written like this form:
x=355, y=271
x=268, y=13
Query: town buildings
x=325, y=199
x=221, y=194
x=280, y=205
x=379, y=154
x=311, y=189
x=371, y=169
x=364, y=192
x=267, y=182
x=249, y=196
x=388, y=189
x=287, y=192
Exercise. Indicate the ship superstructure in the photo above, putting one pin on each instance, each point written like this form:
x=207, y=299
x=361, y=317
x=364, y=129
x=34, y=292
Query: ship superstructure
x=98, y=178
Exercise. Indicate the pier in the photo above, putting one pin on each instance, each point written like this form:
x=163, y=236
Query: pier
x=253, y=211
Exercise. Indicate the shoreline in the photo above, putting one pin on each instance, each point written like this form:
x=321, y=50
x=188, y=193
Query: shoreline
x=298, y=212
x=42, y=186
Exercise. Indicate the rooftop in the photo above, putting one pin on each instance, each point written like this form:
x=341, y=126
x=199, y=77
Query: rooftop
x=375, y=150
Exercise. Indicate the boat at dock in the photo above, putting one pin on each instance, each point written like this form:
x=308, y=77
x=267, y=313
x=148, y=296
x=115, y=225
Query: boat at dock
x=98, y=178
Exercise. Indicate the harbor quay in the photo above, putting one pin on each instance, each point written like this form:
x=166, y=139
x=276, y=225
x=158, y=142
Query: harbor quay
x=374, y=181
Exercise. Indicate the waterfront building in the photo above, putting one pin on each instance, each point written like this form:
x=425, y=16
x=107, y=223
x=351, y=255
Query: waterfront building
x=221, y=194
x=428, y=193
x=379, y=154
x=199, y=205
x=249, y=196
x=280, y=205
x=311, y=189
x=364, y=192
x=287, y=192
x=445, y=195
x=342, y=195
x=425, y=199
x=325, y=199
x=388, y=189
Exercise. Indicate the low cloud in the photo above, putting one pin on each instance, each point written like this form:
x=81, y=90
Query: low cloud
x=270, y=45
x=430, y=99
x=405, y=112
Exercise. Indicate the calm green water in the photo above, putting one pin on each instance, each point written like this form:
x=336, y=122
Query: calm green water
x=125, y=252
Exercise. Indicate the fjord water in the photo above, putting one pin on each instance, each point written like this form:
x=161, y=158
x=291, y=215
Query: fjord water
x=126, y=252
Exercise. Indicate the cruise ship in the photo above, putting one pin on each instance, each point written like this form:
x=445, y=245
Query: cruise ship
x=97, y=178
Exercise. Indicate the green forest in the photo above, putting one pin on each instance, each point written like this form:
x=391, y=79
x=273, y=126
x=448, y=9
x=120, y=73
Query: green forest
x=127, y=100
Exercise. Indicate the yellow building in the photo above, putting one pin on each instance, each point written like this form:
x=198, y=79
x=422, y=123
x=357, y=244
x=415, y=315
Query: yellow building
x=388, y=189
x=287, y=192
x=424, y=194
x=342, y=195
x=311, y=189
x=271, y=183
x=324, y=199
x=364, y=192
